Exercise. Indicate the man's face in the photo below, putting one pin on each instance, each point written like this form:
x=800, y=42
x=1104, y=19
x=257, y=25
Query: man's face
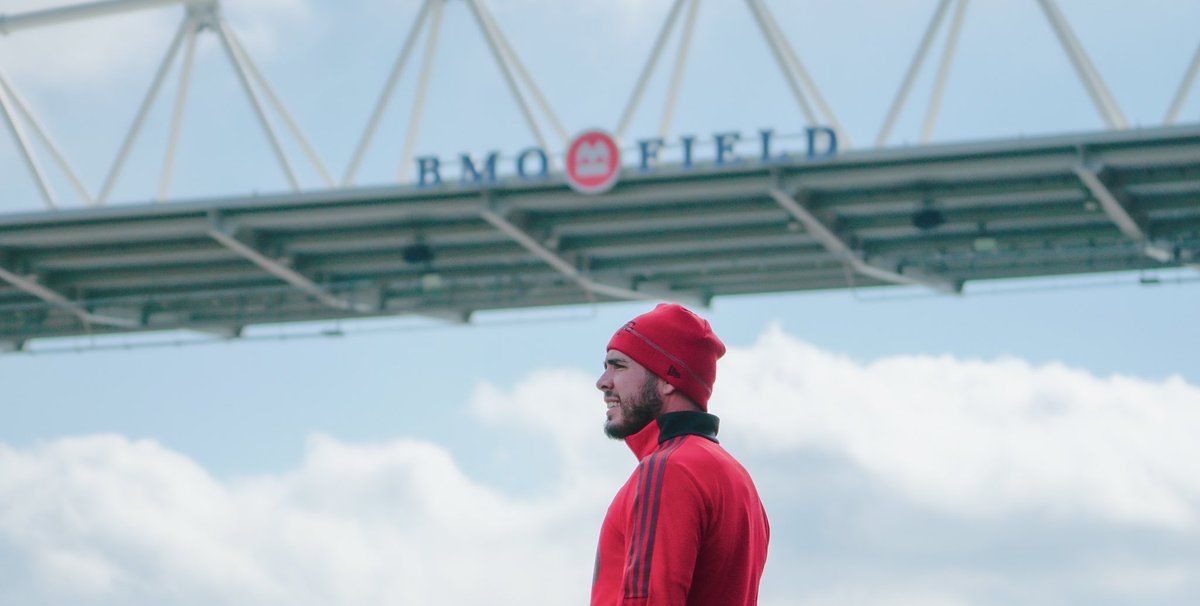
x=631, y=394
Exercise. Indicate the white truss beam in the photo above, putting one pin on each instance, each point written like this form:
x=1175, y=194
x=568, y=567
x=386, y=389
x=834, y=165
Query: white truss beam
x=494, y=45
x=7, y=107
x=185, y=75
x=1118, y=212
x=685, y=41
x=143, y=110
x=1105, y=104
x=388, y=88
x=523, y=73
x=587, y=283
x=939, y=85
x=638, y=89
x=64, y=14
x=910, y=76
x=273, y=99
x=794, y=71
x=244, y=79
x=834, y=244
x=1189, y=78
x=30, y=285
x=414, y=120
x=224, y=235
x=14, y=98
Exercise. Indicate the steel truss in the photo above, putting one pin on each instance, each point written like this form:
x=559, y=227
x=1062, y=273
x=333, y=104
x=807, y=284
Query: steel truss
x=1103, y=100
x=1120, y=200
x=1039, y=208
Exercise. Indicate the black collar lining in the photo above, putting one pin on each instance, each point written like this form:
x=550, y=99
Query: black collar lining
x=685, y=423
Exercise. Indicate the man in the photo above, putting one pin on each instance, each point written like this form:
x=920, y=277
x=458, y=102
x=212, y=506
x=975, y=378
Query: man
x=687, y=528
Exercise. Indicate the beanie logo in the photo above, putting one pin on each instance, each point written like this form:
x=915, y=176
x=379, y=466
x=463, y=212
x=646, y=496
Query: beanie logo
x=674, y=373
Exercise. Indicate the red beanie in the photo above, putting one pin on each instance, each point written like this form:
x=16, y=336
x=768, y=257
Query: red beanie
x=676, y=345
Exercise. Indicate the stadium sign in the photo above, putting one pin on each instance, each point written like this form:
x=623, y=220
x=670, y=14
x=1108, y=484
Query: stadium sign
x=593, y=159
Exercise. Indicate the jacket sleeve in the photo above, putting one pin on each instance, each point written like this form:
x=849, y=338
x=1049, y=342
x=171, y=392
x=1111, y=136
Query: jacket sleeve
x=663, y=535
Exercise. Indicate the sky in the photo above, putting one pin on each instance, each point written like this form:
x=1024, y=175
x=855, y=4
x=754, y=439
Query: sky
x=1027, y=442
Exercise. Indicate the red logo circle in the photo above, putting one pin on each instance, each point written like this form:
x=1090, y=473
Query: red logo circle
x=593, y=162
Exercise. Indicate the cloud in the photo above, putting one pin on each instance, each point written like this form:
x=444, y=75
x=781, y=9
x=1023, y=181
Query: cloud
x=979, y=438
x=907, y=480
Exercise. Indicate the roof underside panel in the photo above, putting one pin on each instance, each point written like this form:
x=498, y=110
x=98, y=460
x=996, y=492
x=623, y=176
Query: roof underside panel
x=937, y=215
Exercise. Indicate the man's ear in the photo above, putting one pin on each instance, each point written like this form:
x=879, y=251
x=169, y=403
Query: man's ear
x=665, y=389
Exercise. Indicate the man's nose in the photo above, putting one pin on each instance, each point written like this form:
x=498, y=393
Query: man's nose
x=604, y=383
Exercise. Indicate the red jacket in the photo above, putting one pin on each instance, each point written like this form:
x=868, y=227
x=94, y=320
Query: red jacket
x=687, y=528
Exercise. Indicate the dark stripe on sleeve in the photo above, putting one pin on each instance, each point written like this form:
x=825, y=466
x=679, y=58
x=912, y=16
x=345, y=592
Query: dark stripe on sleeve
x=649, y=556
x=633, y=536
x=642, y=506
x=638, y=566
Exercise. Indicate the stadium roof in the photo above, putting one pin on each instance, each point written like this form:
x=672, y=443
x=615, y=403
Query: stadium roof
x=932, y=215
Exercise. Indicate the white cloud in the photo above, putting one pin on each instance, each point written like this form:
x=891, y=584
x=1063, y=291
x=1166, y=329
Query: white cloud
x=979, y=438
x=868, y=471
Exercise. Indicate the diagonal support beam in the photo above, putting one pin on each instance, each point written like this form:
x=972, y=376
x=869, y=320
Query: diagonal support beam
x=222, y=233
x=853, y=258
x=494, y=45
x=685, y=41
x=280, y=110
x=30, y=285
x=512, y=57
x=18, y=134
x=243, y=77
x=587, y=283
x=418, y=106
x=389, y=86
x=50, y=145
x=636, y=96
x=1117, y=210
x=1105, y=104
x=144, y=109
x=1189, y=77
x=939, y=83
x=910, y=76
x=792, y=68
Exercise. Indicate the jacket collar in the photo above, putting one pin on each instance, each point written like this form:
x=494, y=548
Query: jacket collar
x=670, y=425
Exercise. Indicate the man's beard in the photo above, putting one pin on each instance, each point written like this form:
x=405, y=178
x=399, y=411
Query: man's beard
x=638, y=413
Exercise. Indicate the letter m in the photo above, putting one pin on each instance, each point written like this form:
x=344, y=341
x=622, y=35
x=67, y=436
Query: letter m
x=471, y=174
